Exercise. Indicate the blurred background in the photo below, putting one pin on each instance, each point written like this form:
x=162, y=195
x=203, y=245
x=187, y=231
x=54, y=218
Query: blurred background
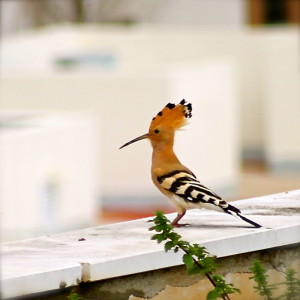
x=79, y=78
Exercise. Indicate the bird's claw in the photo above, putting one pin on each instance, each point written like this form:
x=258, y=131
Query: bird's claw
x=177, y=225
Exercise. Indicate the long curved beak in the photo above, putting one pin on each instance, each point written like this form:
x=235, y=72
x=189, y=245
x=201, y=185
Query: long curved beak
x=142, y=137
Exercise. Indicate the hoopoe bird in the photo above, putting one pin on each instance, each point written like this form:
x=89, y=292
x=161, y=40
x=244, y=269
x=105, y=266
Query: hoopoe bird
x=171, y=177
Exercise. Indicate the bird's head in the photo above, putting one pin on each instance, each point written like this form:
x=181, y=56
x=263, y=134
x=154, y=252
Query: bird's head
x=163, y=126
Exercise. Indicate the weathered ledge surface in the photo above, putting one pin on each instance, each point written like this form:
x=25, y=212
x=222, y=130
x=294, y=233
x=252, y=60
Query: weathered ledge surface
x=61, y=260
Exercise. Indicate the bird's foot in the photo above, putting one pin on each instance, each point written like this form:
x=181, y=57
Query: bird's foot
x=177, y=219
x=177, y=225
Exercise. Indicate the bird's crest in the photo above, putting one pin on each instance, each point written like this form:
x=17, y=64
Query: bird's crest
x=173, y=116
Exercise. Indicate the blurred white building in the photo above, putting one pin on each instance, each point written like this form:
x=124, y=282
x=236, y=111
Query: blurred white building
x=116, y=72
x=48, y=178
x=229, y=14
x=243, y=83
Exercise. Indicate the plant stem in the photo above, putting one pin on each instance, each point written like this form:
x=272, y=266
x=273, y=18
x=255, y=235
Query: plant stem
x=208, y=275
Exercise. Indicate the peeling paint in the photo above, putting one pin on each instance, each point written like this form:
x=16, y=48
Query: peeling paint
x=85, y=272
x=174, y=282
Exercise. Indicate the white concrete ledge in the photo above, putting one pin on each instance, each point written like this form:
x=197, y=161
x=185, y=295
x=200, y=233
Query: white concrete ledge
x=61, y=260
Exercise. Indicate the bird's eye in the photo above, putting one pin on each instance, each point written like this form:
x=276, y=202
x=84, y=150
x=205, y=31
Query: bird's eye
x=156, y=131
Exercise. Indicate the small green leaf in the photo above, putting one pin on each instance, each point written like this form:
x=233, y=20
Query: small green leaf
x=292, y=283
x=208, y=264
x=260, y=276
x=158, y=228
x=169, y=245
x=174, y=236
x=195, y=269
x=188, y=260
x=213, y=295
x=195, y=257
x=158, y=237
x=74, y=296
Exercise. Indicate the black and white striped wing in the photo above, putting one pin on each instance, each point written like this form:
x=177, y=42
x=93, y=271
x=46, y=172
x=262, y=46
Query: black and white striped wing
x=186, y=186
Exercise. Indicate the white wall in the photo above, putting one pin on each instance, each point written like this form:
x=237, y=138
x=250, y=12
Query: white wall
x=48, y=174
x=124, y=103
x=153, y=66
x=254, y=52
x=215, y=13
x=282, y=105
x=18, y=15
x=210, y=143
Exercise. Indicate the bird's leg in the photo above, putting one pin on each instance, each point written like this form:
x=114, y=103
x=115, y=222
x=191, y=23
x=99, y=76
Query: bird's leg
x=177, y=219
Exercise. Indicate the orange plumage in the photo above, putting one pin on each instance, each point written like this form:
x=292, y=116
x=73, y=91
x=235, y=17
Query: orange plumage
x=162, y=127
x=171, y=177
x=172, y=116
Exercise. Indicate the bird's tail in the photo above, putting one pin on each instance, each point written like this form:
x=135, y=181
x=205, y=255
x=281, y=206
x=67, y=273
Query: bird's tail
x=230, y=209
